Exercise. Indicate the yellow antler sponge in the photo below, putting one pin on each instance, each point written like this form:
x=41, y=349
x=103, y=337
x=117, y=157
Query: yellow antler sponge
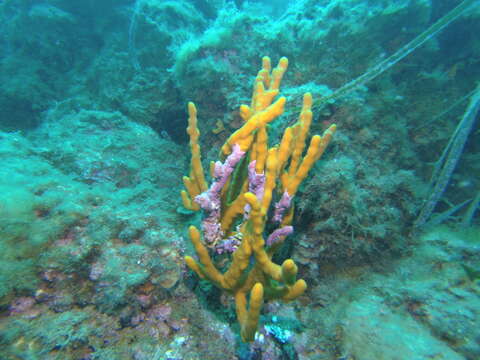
x=237, y=204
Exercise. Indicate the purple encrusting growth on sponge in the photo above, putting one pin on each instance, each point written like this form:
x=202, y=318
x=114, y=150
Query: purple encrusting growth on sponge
x=256, y=182
x=278, y=234
x=210, y=199
x=228, y=245
x=281, y=206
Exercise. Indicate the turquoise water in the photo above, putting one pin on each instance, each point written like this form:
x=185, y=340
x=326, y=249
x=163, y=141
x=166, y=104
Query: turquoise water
x=93, y=146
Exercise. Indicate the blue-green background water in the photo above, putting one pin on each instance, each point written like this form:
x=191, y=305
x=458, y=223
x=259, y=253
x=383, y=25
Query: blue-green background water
x=93, y=148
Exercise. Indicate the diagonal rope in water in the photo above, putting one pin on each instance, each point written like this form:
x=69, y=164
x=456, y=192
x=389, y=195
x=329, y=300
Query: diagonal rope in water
x=132, y=49
x=449, y=159
x=399, y=54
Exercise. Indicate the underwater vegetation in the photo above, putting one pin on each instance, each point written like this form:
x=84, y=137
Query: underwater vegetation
x=102, y=259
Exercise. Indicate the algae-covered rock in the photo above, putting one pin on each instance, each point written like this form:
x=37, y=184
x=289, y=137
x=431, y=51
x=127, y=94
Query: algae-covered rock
x=372, y=330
